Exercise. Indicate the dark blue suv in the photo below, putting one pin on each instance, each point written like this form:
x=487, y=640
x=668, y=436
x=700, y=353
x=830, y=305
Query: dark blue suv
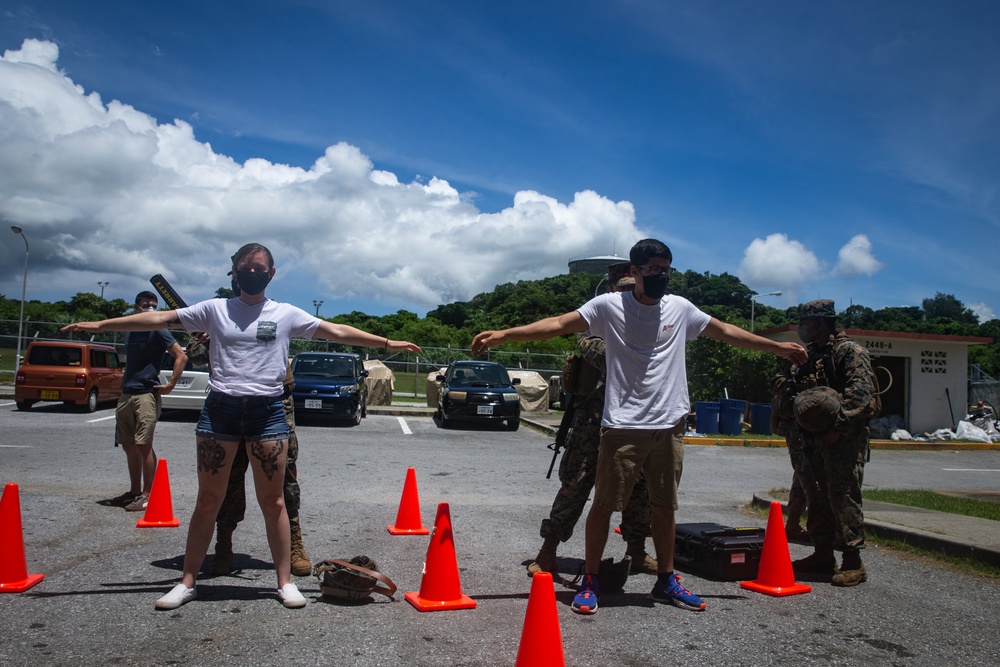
x=331, y=384
x=478, y=391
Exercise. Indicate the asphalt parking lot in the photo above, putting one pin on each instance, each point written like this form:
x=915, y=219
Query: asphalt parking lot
x=102, y=574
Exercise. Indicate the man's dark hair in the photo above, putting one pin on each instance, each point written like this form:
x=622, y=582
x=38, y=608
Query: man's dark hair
x=253, y=249
x=146, y=295
x=646, y=249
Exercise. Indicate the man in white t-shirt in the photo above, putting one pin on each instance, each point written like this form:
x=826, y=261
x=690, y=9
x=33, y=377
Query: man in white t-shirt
x=646, y=403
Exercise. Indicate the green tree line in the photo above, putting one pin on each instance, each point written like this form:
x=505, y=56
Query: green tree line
x=713, y=368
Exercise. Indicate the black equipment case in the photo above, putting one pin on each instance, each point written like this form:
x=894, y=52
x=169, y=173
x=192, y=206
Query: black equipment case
x=721, y=552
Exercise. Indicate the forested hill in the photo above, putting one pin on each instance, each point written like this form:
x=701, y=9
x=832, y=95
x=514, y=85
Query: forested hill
x=511, y=304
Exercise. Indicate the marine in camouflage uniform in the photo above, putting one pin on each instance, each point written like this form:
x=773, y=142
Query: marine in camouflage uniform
x=234, y=504
x=578, y=471
x=836, y=453
x=802, y=474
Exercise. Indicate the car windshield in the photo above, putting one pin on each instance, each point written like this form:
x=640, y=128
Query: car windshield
x=478, y=376
x=327, y=367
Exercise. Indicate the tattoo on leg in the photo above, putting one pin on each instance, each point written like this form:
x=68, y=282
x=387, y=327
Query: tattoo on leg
x=211, y=456
x=268, y=459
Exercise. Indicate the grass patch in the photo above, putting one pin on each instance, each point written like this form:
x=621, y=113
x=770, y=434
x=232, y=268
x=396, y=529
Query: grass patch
x=959, y=564
x=984, y=509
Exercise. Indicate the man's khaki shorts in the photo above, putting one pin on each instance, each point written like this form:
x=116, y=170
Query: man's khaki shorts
x=137, y=415
x=623, y=452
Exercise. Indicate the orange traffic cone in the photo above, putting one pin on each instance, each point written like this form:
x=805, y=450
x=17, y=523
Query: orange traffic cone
x=14, y=577
x=541, y=640
x=440, y=588
x=160, y=509
x=408, y=521
x=774, y=575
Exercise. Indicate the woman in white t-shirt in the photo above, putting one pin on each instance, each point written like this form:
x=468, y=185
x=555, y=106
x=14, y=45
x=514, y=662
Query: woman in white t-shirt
x=248, y=351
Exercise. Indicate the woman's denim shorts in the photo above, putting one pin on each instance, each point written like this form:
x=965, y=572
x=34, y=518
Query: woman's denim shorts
x=233, y=418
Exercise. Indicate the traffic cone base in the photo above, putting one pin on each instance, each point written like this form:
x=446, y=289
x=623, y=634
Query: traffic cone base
x=408, y=521
x=440, y=588
x=775, y=575
x=21, y=586
x=462, y=602
x=541, y=639
x=775, y=591
x=160, y=508
x=14, y=577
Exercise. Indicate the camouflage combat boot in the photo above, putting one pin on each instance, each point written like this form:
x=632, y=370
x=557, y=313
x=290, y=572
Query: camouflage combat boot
x=821, y=561
x=301, y=567
x=545, y=561
x=642, y=562
x=222, y=561
x=852, y=572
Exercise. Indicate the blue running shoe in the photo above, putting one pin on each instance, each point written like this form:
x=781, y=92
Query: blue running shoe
x=677, y=595
x=585, y=601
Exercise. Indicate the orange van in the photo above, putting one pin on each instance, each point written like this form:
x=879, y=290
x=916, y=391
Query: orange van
x=69, y=371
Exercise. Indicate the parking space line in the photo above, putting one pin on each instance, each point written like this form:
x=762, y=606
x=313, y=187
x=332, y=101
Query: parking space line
x=17, y=446
x=971, y=469
x=4, y=405
x=402, y=425
x=100, y=419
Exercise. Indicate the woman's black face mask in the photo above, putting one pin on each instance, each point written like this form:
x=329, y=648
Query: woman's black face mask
x=251, y=282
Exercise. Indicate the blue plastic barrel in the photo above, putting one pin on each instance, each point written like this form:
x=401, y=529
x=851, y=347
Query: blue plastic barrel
x=731, y=416
x=706, y=415
x=760, y=418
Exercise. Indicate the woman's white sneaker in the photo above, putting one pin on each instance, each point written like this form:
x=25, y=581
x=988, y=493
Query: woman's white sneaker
x=178, y=595
x=290, y=596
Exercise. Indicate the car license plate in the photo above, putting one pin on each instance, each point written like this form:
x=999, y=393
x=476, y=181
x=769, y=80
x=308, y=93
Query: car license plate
x=314, y=404
x=49, y=395
x=184, y=382
x=484, y=409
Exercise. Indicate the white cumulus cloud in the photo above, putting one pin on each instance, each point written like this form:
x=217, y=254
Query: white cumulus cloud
x=106, y=191
x=779, y=262
x=855, y=258
x=983, y=311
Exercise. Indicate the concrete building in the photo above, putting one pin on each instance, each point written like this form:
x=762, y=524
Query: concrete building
x=929, y=373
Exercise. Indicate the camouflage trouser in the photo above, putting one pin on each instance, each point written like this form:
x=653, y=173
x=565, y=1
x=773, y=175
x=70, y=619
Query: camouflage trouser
x=577, y=472
x=797, y=500
x=235, y=503
x=836, y=517
x=803, y=479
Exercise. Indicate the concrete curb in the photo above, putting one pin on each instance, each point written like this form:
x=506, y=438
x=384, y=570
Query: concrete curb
x=916, y=537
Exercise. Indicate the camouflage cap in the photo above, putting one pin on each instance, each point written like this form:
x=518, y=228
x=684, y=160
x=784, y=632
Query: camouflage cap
x=618, y=271
x=816, y=409
x=626, y=283
x=817, y=308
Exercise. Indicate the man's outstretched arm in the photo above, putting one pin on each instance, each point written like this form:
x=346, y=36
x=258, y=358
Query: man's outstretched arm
x=733, y=335
x=550, y=327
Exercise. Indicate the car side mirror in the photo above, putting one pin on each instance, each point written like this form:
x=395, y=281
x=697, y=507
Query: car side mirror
x=364, y=373
x=516, y=381
x=439, y=378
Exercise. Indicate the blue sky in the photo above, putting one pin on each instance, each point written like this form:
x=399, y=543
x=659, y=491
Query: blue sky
x=401, y=155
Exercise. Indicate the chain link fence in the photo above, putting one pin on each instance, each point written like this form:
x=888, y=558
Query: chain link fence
x=410, y=369
x=982, y=387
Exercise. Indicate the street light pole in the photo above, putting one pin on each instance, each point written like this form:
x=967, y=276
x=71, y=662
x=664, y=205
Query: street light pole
x=753, y=302
x=103, y=285
x=317, y=304
x=24, y=288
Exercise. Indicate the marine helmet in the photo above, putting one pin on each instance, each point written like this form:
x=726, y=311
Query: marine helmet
x=816, y=409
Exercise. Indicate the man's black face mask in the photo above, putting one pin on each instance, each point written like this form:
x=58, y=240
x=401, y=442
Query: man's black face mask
x=654, y=286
